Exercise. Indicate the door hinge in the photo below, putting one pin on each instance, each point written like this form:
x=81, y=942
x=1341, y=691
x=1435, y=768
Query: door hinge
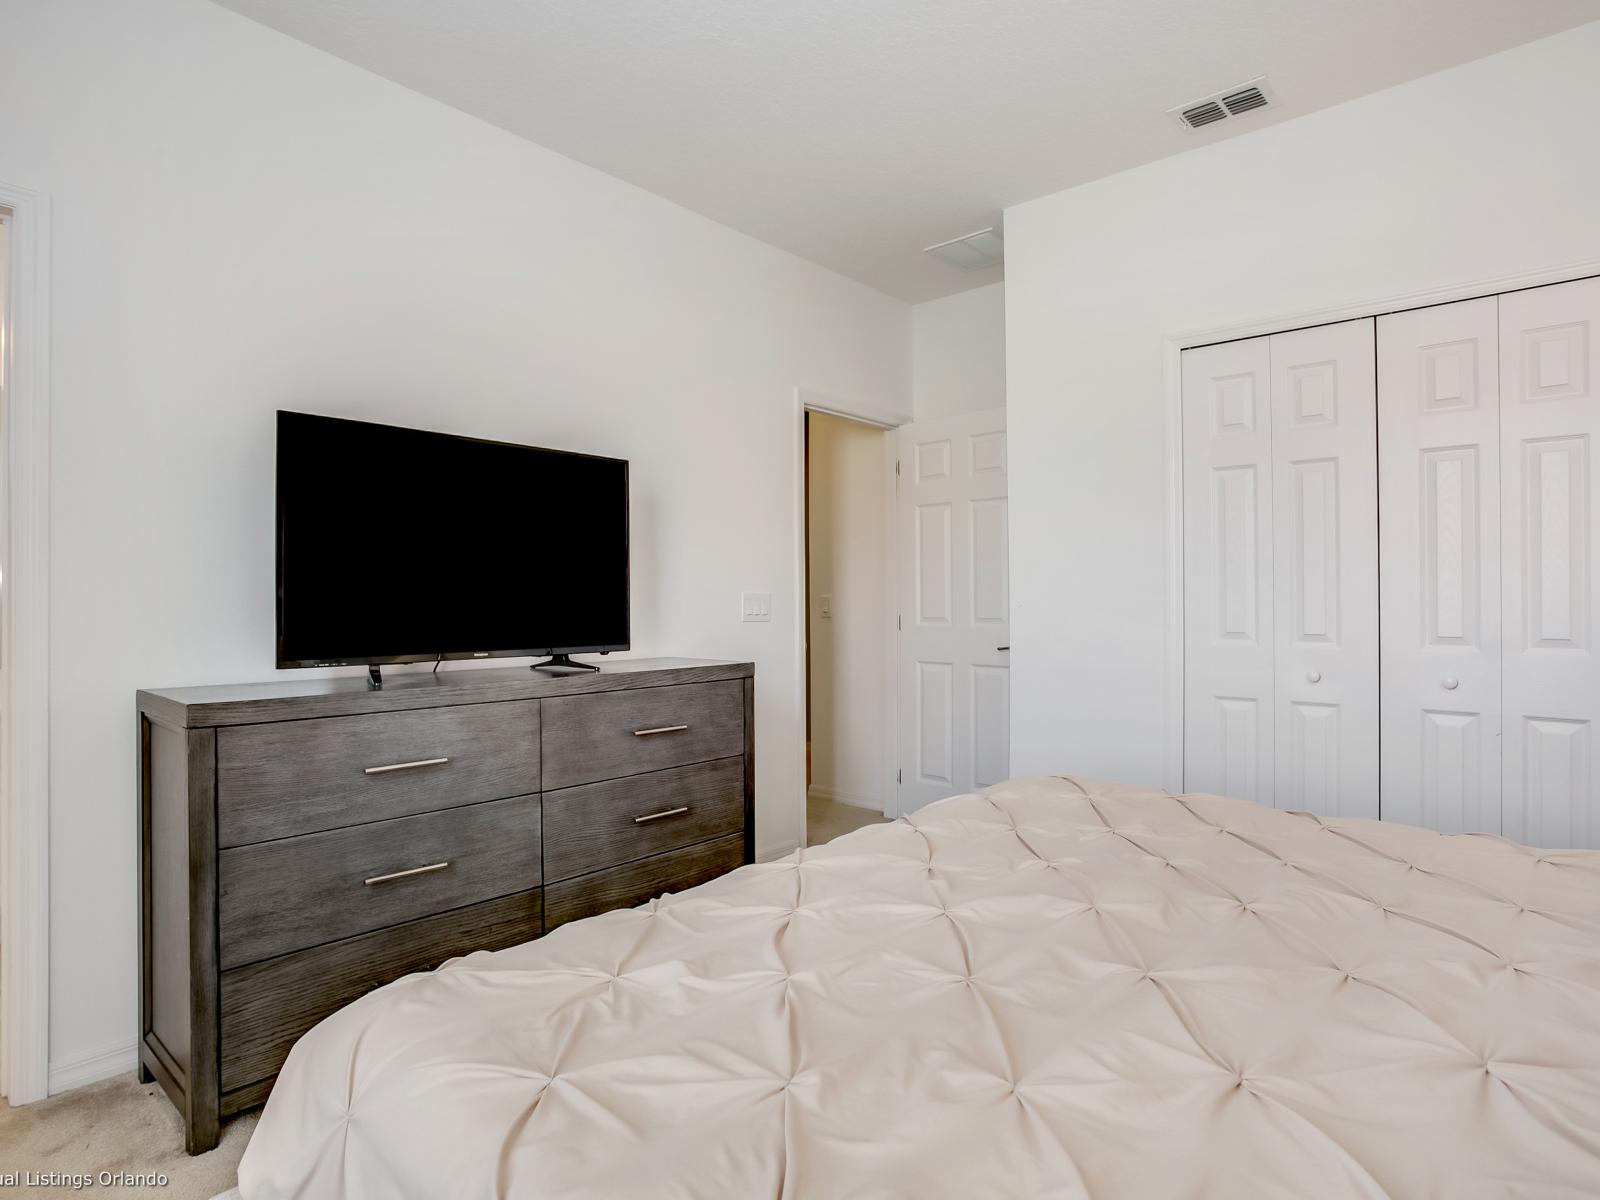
x=897, y=467
x=899, y=776
x=897, y=624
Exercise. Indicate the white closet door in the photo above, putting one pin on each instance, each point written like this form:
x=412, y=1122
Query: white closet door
x=1325, y=568
x=1439, y=476
x=955, y=607
x=1550, y=421
x=1227, y=538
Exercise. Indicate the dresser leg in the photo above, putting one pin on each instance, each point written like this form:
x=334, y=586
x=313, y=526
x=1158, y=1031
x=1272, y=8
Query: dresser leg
x=145, y=1074
x=201, y=1131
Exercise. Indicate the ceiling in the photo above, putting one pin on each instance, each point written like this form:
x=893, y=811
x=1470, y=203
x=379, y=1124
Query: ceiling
x=856, y=132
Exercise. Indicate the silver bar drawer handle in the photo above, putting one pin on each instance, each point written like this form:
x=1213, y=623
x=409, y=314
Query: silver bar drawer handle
x=659, y=729
x=670, y=812
x=393, y=875
x=410, y=766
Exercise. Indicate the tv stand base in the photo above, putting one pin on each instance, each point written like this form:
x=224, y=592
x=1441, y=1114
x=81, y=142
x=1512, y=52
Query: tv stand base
x=562, y=662
x=374, y=677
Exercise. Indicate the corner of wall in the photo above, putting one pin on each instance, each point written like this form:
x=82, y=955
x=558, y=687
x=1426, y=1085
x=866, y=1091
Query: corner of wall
x=958, y=353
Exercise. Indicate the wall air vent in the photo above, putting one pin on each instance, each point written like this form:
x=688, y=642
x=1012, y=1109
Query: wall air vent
x=1234, y=102
x=972, y=251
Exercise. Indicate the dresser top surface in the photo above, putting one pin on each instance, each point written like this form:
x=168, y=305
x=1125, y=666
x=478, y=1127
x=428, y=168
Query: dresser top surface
x=346, y=695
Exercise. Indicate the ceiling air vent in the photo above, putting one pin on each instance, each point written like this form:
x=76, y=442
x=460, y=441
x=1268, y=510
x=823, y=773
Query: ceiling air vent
x=1197, y=115
x=1234, y=102
x=972, y=251
x=1244, y=100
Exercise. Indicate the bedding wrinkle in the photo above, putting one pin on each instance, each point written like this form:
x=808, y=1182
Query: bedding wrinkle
x=1357, y=1180
x=1056, y=987
x=1551, y=1120
x=504, y=1161
x=1442, y=928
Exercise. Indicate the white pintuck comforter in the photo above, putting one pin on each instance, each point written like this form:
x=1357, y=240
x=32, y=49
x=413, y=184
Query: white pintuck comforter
x=1054, y=988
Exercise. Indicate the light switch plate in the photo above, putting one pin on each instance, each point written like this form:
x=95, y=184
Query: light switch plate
x=827, y=605
x=755, y=606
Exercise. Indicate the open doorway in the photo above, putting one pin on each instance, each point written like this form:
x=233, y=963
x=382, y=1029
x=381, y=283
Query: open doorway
x=849, y=660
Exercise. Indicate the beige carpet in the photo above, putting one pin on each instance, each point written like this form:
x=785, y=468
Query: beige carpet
x=828, y=819
x=118, y=1125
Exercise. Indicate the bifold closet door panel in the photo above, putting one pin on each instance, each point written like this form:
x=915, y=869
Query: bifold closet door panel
x=1549, y=423
x=1439, y=564
x=1325, y=568
x=1227, y=541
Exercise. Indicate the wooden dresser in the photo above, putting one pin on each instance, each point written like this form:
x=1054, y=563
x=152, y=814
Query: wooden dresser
x=302, y=842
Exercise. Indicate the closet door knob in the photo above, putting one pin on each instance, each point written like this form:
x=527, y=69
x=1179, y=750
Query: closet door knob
x=1450, y=685
x=1313, y=676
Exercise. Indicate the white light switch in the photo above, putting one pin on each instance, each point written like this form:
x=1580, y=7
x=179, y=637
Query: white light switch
x=755, y=606
x=827, y=605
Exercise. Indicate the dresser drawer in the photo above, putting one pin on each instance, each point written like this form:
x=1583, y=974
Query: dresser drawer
x=275, y=897
x=268, y=1005
x=640, y=882
x=603, y=824
x=608, y=734
x=293, y=777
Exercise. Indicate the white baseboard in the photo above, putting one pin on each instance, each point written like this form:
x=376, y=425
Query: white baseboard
x=818, y=792
x=92, y=1068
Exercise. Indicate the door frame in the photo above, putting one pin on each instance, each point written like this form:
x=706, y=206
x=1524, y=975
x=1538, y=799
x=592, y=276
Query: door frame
x=25, y=653
x=1172, y=347
x=809, y=400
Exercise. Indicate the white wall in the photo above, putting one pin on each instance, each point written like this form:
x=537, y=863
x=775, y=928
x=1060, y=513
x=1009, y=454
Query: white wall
x=1483, y=171
x=959, y=353
x=849, y=556
x=243, y=223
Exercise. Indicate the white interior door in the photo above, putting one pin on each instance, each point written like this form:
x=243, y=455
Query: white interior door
x=1325, y=567
x=1227, y=542
x=1550, y=421
x=1439, y=476
x=954, y=603
x=1280, y=570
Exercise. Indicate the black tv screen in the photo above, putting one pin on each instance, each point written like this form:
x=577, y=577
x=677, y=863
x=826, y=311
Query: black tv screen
x=398, y=545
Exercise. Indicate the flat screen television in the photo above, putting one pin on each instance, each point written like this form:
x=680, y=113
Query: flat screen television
x=398, y=545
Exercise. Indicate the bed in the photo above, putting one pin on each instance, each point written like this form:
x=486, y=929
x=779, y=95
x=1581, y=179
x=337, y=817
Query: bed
x=1053, y=988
